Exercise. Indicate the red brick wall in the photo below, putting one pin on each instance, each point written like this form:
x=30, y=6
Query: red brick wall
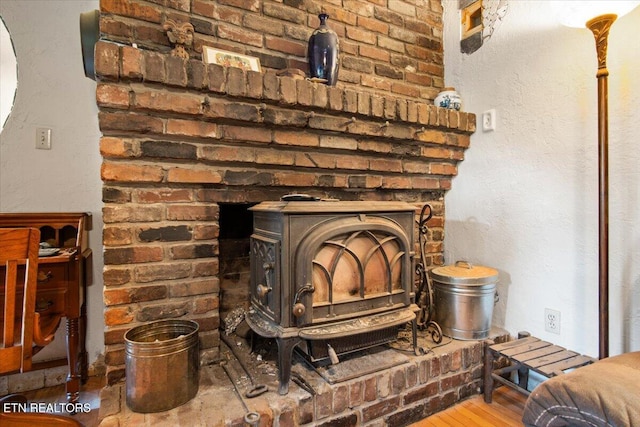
x=180, y=136
x=393, y=49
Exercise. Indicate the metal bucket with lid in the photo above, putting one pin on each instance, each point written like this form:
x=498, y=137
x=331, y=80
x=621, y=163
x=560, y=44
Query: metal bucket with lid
x=464, y=296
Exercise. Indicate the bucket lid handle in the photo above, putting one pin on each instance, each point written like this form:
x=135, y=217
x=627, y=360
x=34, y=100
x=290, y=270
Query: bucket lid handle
x=465, y=264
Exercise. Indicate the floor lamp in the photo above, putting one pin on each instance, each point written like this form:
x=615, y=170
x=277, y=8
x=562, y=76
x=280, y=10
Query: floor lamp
x=598, y=16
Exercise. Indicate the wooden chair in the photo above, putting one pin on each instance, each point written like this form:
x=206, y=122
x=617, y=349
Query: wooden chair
x=18, y=246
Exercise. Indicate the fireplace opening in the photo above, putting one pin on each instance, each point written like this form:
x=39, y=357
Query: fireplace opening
x=236, y=226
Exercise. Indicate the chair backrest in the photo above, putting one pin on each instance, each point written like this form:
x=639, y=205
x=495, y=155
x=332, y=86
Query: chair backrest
x=18, y=247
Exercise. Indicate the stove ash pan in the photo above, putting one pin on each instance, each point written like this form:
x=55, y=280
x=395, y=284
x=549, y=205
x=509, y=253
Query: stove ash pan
x=330, y=277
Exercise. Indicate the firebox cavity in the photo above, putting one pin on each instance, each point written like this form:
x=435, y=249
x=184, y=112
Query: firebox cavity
x=236, y=225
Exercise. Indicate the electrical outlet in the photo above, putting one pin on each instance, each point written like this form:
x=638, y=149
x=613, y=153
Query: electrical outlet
x=552, y=321
x=43, y=138
x=489, y=120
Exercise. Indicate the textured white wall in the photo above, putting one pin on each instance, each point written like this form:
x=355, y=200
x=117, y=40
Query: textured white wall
x=53, y=92
x=525, y=200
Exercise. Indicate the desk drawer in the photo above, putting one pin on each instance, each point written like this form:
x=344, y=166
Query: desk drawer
x=50, y=301
x=52, y=276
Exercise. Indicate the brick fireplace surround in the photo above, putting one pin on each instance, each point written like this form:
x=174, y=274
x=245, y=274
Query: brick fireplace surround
x=182, y=139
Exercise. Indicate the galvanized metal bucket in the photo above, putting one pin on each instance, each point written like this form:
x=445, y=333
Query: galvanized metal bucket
x=161, y=364
x=464, y=296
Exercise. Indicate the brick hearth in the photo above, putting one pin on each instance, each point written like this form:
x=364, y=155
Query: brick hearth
x=397, y=396
x=181, y=138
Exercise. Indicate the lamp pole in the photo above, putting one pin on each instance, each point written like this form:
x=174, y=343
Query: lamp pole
x=574, y=14
x=600, y=26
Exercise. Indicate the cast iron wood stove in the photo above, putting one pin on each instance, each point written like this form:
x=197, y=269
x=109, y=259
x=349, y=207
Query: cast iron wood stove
x=330, y=277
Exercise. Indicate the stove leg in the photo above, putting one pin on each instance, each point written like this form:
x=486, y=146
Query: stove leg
x=285, y=354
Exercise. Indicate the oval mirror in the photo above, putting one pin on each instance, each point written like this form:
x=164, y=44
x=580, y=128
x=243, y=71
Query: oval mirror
x=8, y=74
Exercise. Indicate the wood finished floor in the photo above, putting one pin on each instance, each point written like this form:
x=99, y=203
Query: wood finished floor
x=89, y=393
x=505, y=411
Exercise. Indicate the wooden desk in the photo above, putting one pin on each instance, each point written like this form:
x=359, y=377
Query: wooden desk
x=62, y=281
x=526, y=354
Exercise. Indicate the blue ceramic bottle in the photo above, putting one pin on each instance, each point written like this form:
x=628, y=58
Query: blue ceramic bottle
x=323, y=53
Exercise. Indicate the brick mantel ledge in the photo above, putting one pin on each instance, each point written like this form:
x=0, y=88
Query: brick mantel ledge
x=367, y=113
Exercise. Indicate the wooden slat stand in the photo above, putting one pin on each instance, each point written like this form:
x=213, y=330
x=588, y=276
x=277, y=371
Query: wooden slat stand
x=523, y=355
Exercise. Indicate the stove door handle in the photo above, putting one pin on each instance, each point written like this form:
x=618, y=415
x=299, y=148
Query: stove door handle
x=263, y=290
x=298, y=307
x=268, y=269
x=306, y=288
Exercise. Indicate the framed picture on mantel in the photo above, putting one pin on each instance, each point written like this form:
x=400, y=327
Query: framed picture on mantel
x=225, y=58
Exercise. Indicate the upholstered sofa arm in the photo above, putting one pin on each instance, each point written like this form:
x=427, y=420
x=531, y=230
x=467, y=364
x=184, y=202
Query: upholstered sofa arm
x=605, y=393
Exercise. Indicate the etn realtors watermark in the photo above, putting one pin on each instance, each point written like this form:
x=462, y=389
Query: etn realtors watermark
x=51, y=408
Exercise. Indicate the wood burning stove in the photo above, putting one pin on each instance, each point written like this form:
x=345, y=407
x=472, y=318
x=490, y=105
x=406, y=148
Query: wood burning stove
x=330, y=277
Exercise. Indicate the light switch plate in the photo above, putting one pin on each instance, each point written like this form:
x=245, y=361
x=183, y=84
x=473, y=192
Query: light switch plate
x=43, y=138
x=489, y=120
